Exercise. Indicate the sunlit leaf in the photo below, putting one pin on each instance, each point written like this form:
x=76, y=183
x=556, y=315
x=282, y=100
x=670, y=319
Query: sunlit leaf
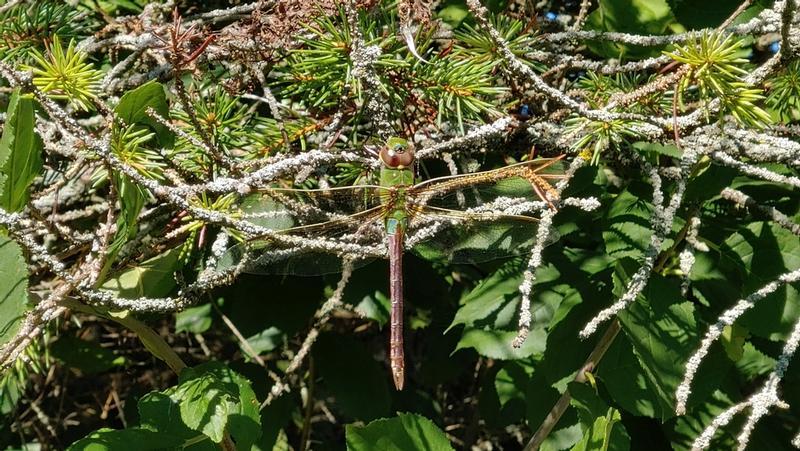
x=405, y=432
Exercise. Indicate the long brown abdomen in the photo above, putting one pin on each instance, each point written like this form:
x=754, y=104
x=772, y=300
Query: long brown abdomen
x=396, y=357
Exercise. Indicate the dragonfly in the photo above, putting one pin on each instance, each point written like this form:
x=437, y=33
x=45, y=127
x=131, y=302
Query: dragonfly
x=465, y=218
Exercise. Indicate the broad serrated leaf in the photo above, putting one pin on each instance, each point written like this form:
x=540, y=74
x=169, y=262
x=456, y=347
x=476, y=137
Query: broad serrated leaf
x=764, y=251
x=158, y=412
x=227, y=393
x=13, y=288
x=562, y=438
x=707, y=184
x=645, y=17
x=151, y=278
x=496, y=344
x=209, y=399
x=627, y=232
x=194, y=320
x=20, y=152
x=586, y=402
x=753, y=362
x=204, y=404
x=626, y=382
x=489, y=312
x=664, y=331
x=684, y=429
x=493, y=302
x=405, y=432
x=265, y=341
x=759, y=253
x=123, y=439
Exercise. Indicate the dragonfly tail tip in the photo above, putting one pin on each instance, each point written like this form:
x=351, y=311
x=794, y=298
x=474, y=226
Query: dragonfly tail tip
x=398, y=380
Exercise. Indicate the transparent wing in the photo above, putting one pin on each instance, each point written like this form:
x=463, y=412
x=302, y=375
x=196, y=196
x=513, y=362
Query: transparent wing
x=478, y=217
x=509, y=188
x=283, y=208
x=461, y=237
x=318, y=229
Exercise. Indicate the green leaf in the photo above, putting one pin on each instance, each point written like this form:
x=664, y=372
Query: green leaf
x=708, y=183
x=13, y=288
x=664, y=331
x=20, y=152
x=87, y=356
x=686, y=428
x=647, y=17
x=209, y=398
x=493, y=302
x=367, y=298
x=623, y=376
x=562, y=438
x=627, y=232
x=204, y=405
x=708, y=13
x=760, y=252
x=501, y=399
x=496, y=344
x=228, y=395
x=195, y=320
x=354, y=378
x=586, y=402
x=489, y=312
x=121, y=440
x=244, y=423
x=453, y=13
x=158, y=412
x=753, y=363
x=132, y=109
x=152, y=278
x=733, y=339
x=605, y=434
x=405, y=432
x=265, y=341
x=655, y=149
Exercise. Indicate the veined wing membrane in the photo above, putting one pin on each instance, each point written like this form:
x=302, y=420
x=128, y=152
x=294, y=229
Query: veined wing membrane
x=472, y=218
x=489, y=190
x=329, y=225
x=463, y=237
x=283, y=208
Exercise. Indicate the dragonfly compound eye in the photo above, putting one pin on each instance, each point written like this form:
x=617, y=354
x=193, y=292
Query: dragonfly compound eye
x=397, y=155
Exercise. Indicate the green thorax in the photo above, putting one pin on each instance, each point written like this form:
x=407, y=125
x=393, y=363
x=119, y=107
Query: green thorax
x=396, y=177
x=397, y=174
x=396, y=180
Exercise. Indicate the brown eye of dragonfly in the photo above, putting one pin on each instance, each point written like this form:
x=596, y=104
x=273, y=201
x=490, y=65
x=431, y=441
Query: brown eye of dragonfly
x=397, y=156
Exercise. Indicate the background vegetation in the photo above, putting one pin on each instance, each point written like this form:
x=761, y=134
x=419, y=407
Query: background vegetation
x=665, y=316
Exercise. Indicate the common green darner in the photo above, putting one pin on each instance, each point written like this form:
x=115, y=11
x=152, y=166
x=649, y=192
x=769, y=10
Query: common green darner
x=465, y=218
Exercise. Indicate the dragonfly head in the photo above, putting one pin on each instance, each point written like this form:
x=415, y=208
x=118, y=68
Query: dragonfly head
x=397, y=153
